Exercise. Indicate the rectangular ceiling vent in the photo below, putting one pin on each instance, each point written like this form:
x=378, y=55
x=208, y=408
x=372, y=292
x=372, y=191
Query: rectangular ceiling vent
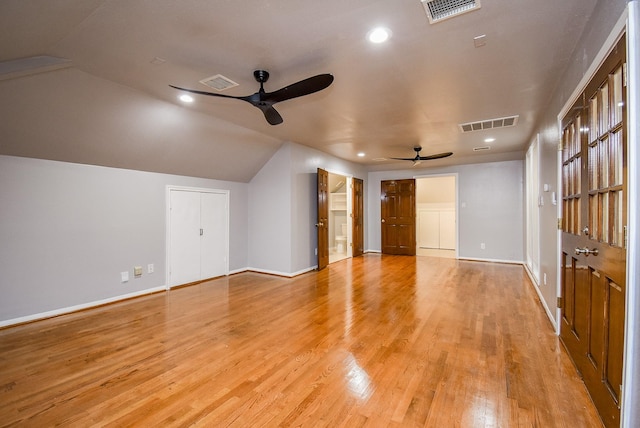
x=219, y=82
x=501, y=122
x=481, y=149
x=439, y=10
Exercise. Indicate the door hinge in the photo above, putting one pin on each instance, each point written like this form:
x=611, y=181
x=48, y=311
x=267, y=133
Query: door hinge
x=559, y=302
x=559, y=223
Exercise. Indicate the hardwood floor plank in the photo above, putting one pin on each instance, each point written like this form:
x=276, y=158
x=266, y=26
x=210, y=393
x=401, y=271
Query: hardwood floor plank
x=390, y=341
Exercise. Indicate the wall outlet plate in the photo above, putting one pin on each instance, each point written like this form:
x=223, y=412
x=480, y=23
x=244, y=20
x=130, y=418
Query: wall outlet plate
x=150, y=268
x=124, y=276
x=137, y=271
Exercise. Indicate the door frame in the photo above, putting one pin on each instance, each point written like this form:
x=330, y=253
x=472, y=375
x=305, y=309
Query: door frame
x=456, y=204
x=167, y=236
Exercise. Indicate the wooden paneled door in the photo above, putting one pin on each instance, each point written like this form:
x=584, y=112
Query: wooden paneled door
x=398, y=217
x=357, y=212
x=594, y=234
x=322, y=224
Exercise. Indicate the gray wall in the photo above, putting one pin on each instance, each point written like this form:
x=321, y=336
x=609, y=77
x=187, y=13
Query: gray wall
x=490, y=208
x=282, y=208
x=68, y=230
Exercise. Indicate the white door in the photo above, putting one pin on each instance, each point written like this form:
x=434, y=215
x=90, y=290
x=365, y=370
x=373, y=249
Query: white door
x=198, y=235
x=213, y=222
x=184, y=237
x=429, y=225
x=448, y=230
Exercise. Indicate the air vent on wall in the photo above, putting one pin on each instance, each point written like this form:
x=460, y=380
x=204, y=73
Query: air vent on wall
x=439, y=10
x=501, y=122
x=219, y=82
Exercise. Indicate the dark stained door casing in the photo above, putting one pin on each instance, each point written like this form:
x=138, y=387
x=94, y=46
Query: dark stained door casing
x=322, y=224
x=398, y=217
x=358, y=213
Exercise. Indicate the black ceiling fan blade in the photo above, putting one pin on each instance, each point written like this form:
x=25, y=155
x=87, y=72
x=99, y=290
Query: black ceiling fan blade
x=193, y=91
x=409, y=159
x=298, y=89
x=272, y=116
x=436, y=156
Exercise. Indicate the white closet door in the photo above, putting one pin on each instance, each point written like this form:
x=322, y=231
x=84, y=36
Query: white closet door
x=448, y=230
x=213, y=245
x=184, y=237
x=429, y=222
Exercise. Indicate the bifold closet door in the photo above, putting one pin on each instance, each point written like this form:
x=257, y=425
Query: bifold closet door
x=185, y=237
x=198, y=236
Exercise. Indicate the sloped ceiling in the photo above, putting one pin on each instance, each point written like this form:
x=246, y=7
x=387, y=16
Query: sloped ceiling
x=107, y=102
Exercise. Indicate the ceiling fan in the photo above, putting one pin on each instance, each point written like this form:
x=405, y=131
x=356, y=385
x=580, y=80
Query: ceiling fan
x=418, y=159
x=265, y=100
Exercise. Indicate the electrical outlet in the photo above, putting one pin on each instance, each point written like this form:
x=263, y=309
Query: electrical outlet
x=137, y=271
x=150, y=268
x=482, y=246
x=124, y=276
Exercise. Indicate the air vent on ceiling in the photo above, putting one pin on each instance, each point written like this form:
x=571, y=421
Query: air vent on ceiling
x=439, y=10
x=481, y=149
x=501, y=122
x=219, y=82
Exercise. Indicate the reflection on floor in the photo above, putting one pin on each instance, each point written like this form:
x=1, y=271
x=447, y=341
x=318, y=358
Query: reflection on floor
x=335, y=256
x=448, y=254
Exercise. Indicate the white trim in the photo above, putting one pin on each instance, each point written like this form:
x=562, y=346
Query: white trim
x=373, y=251
x=477, y=259
x=285, y=274
x=630, y=412
x=76, y=308
x=536, y=286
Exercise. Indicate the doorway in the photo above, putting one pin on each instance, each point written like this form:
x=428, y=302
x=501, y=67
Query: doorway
x=436, y=216
x=340, y=211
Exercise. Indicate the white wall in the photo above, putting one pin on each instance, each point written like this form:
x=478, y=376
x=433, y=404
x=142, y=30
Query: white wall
x=490, y=210
x=68, y=230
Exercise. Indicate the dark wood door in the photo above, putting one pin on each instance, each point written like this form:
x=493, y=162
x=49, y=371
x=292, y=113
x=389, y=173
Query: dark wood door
x=357, y=212
x=322, y=225
x=593, y=235
x=398, y=217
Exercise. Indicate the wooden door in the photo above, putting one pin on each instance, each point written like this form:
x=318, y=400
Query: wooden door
x=593, y=235
x=398, y=217
x=357, y=212
x=322, y=224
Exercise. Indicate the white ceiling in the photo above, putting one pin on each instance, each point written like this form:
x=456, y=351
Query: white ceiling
x=110, y=103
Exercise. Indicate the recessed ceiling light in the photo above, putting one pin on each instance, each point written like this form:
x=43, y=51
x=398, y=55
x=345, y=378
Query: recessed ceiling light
x=186, y=98
x=379, y=35
x=489, y=140
x=361, y=155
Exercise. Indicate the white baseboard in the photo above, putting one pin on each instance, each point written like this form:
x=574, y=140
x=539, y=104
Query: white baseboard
x=475, y=259
x=76, y=308
x=536, y=286
x=274, y=272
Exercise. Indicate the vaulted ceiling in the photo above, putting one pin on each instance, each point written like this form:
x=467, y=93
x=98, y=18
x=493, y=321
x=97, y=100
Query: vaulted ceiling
x=88, y=80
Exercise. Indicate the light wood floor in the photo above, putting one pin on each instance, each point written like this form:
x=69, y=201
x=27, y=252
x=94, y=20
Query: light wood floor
x=373, y=341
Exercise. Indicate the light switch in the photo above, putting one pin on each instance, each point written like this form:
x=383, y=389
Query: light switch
x=124, y=276
x=137, y=271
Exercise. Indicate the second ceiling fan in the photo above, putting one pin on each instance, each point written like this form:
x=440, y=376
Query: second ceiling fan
x=418, y=159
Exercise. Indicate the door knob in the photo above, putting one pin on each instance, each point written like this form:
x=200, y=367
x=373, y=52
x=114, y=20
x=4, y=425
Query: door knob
x=586, y=251
x=383, y=220
x=319, y=224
